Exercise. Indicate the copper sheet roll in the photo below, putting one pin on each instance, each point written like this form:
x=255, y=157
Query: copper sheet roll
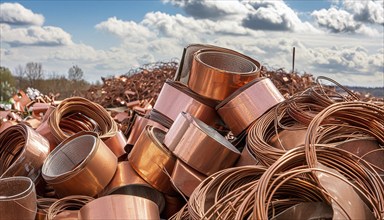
x=80, y=165
x=203, y=148
x=246, y=158
x=120, y=207
x=22, y=152
x=248, y=103
x=151, y=159
x=17, y=198
x=216, y=74
x=6, y=124
x=158, y=117
x=116, y=143
x=176, y=97
x=185, y=178
x=288, y=139
x=43, y=205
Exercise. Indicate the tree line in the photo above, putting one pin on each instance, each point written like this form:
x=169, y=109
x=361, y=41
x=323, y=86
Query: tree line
x=33, y=75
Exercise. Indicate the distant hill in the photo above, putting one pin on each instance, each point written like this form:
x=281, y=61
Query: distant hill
x=377, y=92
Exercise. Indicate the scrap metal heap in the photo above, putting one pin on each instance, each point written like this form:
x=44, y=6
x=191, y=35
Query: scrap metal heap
x=217, y=137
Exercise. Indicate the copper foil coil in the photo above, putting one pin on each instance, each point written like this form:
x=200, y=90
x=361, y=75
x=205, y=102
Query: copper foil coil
x=158, y=117
x=288, y=139
x=200, y=143
x=80, y=165
x=216, y=74
x=306, y=210
x=17, y=198
x=120, y=207
x=117, y=143
x=138, y=127
x=175, y=97
x=246, y=158
x=22, y=152
x=248, y=103
x=152, y=160
x=185, y=178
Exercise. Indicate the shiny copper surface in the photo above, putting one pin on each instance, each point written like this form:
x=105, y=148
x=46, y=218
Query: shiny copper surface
x=216, y=74
x=288, y=139
x=39, y=109
x=246, y=158
x=176, y=97
x=185, y=178
x=22, y=152
x=247, y=104
x=80, y=165
x=20, y=101
x=306, y=210
x=120, y=207
x=6, y=124
x=17, y=198
x=176, y=131
x=151, y=159
x=200, y=144
x=116, y=143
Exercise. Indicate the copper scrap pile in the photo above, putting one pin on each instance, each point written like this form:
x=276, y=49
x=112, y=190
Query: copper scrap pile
x=225, y=139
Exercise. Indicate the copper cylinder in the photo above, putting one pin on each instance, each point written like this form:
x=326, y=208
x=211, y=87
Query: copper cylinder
x=17, y=198
x=247, y=104
x=80, y=165
x=131, y=207
x=185, y=178
x=203, y=148
x=216, y=74
x=116, y=143
x=152, y=160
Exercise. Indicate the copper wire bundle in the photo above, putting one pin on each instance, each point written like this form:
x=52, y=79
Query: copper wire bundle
x=67, y=203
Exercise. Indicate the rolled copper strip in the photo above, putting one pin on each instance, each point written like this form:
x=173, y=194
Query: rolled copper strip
x=216, y=74
x=185, y=178
x=69, y=203
x=248, y=103
x=306, y=210
x=80, y=165
x=200, y=144
x=152, y=160
x=67, y=215
x=17, y=198
x=132, y=207
x=288, y=139
x=175, y=97
x=117, y=143
x=22, y=152
x=6, y=124
x=160, y=118
x=124, y=175
x=246, y=158
x=176, y=131
x=43, y=205
x=139, y=126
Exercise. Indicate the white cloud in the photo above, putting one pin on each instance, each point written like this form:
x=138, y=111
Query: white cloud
x=16, y=14
x=366, y=10
x=34, y=35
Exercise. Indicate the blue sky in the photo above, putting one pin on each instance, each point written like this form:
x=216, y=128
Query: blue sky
x=342, y=39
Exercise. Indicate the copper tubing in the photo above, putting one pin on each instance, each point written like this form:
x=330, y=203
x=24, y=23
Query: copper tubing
x=116, y=143
x=248, y=103
x=80, y=165
x=158, y=162
x=22, y=152
x=185, y=178
x=63, y=205
x=17, y=198
x=200, y=143
x=216, y=74
x=176, y=97
x=132, y=207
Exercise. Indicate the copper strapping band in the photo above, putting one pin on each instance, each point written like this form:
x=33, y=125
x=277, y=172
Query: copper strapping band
x=202, y=147
x=80, y=165
x=132, y=207
x=185, y=178
x=246, y=158
x=248, y=103
x=176, y=97
x=117, y=143
x=152, y=160
x=22, y=152
x=216, y=74
x=17, y=198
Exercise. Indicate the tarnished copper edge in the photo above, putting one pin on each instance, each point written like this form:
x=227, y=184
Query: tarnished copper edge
x=158, y=160
x=192, y=148
x=105, y=208
x=138, y=127
x=217, y=84
x=186, y=178
x=90, y=176
x=22, y=204
x=31, y=156
x=117, y=143
x=246, y=158
x=172, y=101
x=245, y=107
x=124, y=175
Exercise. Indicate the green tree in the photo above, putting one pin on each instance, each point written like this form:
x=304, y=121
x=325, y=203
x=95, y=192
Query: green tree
x=75, y=73
x=7, y=84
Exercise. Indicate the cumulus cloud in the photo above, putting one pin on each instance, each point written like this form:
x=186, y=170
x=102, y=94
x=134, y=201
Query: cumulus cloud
x=16, y=14
x=366, y=10
x=34, y=35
